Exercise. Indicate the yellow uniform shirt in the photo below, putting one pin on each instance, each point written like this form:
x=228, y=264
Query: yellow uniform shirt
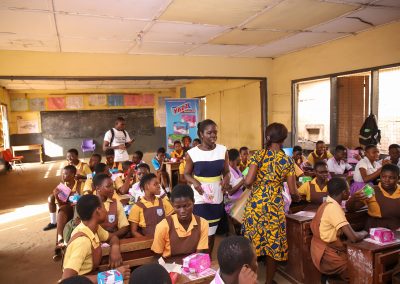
x=304, y=189
x=299, y=172
x=117, y=183
x=78, y=256
x=182, y=167
x=136, y=215
x=374, y=208
x=332, y=219
x=75, y=188
x=310, y=157
x=175, y=154
x=83, y=169
x=122, y=220
x=162, y=244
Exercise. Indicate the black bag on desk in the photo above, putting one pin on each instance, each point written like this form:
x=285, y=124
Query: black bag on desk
x=369, y=132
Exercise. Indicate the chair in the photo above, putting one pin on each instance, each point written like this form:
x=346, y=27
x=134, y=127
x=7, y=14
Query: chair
x=88, y=146
x=15, y=161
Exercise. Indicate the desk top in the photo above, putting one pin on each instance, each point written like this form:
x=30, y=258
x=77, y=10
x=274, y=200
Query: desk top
x=364, y=245
x=26, y=147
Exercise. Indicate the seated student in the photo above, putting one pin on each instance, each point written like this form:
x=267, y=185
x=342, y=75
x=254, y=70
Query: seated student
x=110, y=156
x=196, y=142
x=83, y=254
x=158, y=164
x=129, y=172
x=361, y=153
x=82, y=169
x=116, y=221
x=149, y=210
x=299, y=161
x=244, y=158
x=178, y=151
x=337, y=165
x=328, y=252
x=367, y=169
x=182, y=233
x=186, y=141
x=394, y=154
x=95, y=159
x=316, y=190
x=383, y=206
x=152, y=273
x=319, y=154
x=237, y=262
x=137, y=158
x=236, y=181
x=104, y=169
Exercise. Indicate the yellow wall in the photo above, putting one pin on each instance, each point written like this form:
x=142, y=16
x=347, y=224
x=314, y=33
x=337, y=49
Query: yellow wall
x=380, y=46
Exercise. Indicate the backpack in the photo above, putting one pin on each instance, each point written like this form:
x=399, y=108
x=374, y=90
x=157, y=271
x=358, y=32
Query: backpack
x=369, y=132
x=113, y=135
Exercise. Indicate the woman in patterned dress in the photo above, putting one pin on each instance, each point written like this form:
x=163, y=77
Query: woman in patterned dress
x=264, y=218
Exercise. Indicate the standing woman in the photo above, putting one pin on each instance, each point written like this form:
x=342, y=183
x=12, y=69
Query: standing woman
x=207, y=169
x=264, y=217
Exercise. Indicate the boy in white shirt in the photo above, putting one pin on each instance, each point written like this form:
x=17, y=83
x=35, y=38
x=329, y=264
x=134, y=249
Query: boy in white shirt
x=118, y=139
x=337, y=165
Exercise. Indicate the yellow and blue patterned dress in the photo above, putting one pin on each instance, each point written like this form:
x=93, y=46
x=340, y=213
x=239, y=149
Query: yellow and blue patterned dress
x=264, y=218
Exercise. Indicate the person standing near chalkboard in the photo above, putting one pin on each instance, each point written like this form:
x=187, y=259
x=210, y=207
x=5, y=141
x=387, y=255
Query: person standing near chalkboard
x=117, y=138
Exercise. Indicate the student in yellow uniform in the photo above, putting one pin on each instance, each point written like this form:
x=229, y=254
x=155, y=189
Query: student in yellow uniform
x=182, y=233
x=244, y=158
x=116, y=221
x=104, y=169
x=182, y=172
x=319, y=154
x=178, y=151
x=95, y=159
x=149, y=210
x=110, y=155
x=83, y=254
x=328, y=252
x=383, y=206
x=82, y=169
x=316, y=190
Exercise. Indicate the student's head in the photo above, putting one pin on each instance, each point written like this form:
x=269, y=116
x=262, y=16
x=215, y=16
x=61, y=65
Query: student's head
x=178, y=145
x=235, y=252
x=186, y=141
x=77, y=279
x=137, y=157
x=68, y=173
x=152, y=273
x=275, y=133
x=110, y=155
x=234, y=157
x=72, y=156
x=360, y=151
x=120, y=123
x=103, y=185
x=394, y=152
x=338, y=188
x=244, y=153
x=95, y=159
x=150, y=185
x=297, y=153
x=321, y=170
x=89, y=207
x=102, y=168
x=207, y=131
x=372, y=152
x=161, y=153
x=340, y=153
x=182, y=199
x=389, y=176
x=320, y=147
x=196, y=141
x=142, y=170
x=126, y=165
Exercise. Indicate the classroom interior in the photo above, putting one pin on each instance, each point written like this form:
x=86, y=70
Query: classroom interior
x=318, y=67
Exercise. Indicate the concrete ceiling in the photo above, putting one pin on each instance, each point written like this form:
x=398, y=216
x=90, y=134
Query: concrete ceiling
x=238, y=28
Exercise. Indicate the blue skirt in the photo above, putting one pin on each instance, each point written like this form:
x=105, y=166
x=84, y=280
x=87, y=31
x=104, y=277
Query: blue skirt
x=211, y=212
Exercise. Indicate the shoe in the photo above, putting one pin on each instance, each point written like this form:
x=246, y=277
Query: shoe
x=50, y=226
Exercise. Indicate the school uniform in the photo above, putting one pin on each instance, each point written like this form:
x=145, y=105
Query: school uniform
x=366, y=164
x=116, y=218
x=338, y=168
x=66, y=207
x=147, y=214
x=236, y=177
x=383, y=209
x=328, y=253
x=175, y=154
x=83, y=169
x=136, y=192
x=314, y=157
x=313, y=192
x=83, y=253
x=117, y=183
x=171, y=239
x=182, y=167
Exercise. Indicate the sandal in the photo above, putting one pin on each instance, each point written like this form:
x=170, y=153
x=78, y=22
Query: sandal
x=58, y=251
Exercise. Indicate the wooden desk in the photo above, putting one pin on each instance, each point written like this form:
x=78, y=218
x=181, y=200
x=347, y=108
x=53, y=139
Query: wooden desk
x=170, y=168
x=371, y=263
x=182, y=279
x=37, y=147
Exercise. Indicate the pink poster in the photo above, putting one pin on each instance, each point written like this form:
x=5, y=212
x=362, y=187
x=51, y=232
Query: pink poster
x=148, y=100
x=55, y=103
x=133, y=100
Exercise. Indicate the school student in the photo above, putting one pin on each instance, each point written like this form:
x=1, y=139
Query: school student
x=110, y=157
x=158, y=165
x=137, y=157
x=383, y=206
x=116, y=221
x=178, y=151
x=236, y=181
x=367, y=169
x=394, y=154
x=196, y=142
x=237, y=262
x=328, y=252
x=152, y=273
x=118, y=139
x=95, y=159
x=319, y=154
x=83, y=254
x=82, y=169
x=316, y=190
x=337, y=165
x=104, y=169
x=299, y=161
x=149, y=210
x=182, y=233
x=244, y=158
x=186, y=141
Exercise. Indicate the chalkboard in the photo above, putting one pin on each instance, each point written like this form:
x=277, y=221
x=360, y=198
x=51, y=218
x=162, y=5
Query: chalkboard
x=95, y=123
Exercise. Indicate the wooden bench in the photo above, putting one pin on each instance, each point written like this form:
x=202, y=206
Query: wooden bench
x=385, y=264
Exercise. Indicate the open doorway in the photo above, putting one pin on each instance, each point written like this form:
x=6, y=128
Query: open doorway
x=4, y=132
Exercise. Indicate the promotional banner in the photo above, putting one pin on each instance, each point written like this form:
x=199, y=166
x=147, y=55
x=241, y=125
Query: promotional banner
x=181, y=119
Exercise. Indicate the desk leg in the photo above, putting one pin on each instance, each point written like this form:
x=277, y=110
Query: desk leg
x=361, y=266
x=169, y=173
x=41, y=154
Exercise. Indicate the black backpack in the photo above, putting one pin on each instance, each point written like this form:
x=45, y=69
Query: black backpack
x=113, y=135
x=369, y=132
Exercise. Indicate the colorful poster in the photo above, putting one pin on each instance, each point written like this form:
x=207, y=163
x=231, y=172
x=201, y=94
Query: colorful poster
x=139, y=100
x=19, y=105
x=56, y=103
x=181, y=119
x=115, y=100
x=74, y=102
x=97, y=100
x=27, y=126
x=37, y=104
x=148, y=100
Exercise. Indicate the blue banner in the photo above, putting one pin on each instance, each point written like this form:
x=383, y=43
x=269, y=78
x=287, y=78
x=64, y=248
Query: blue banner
x=181, y=119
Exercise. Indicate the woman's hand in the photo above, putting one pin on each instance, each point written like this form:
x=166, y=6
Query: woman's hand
x=197, y=187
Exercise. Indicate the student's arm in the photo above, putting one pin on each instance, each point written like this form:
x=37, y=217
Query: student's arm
x=115, y=258
x=367, y=178
x=291, y=182
x=160, y=238
x=226, y=173
x=352, y=236
x=202, y=246
x=356, y=202
x=134, y=219
x=123, y=224
x=188, y=175
x=234, y=189
x=134, y=230
x=124, y=189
